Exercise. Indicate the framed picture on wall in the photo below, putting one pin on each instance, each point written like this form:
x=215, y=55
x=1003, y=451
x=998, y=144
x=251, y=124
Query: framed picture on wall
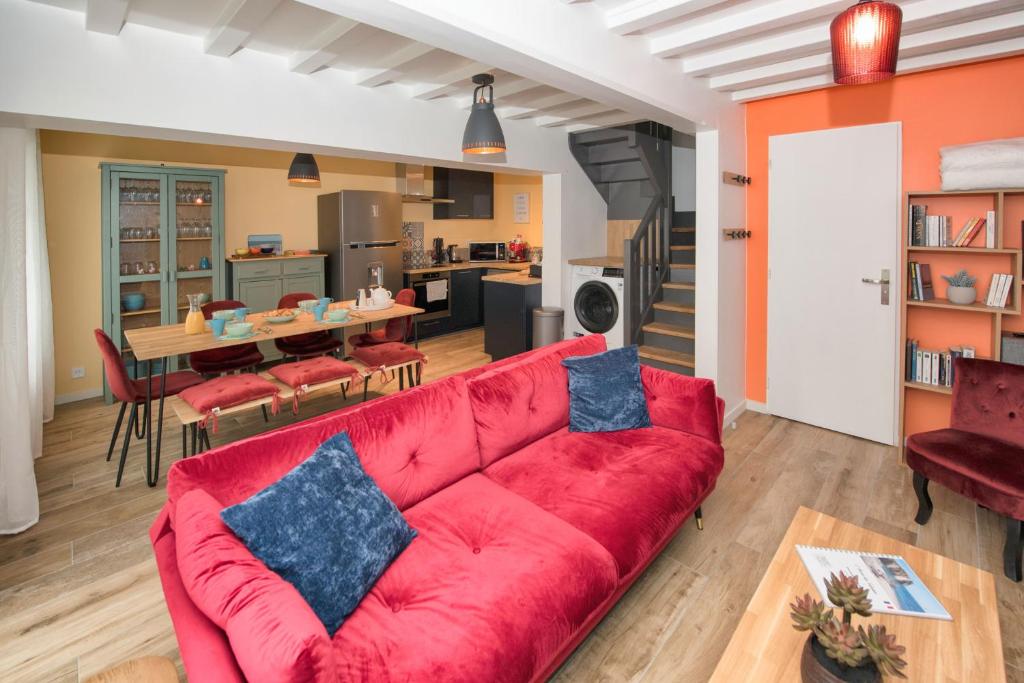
x=521, y=207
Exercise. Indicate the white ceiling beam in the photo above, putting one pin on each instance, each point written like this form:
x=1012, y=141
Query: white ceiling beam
x=537, y=106
x=390, y=68
x=918, y=15
x=639, y=15
x=315, y=55
x=717, y=29
x=574, y=114
x=502, y=89
x=987, y=30
x=935, y=60
x=105, y=16
x=236, y=25
x=447, y=83
x=603, y=121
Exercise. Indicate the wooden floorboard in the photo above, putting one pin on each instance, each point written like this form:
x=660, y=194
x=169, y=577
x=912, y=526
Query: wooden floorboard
x=79, y=592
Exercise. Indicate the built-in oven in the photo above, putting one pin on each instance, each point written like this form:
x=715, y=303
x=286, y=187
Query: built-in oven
x=433, y=294
x=486, y=252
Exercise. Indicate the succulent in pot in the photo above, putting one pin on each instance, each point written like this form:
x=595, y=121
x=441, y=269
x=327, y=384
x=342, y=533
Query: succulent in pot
x=836, y=652
x=961, y=288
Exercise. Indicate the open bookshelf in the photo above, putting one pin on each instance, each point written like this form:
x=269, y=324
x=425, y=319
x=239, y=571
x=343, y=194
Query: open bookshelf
x=939, y=324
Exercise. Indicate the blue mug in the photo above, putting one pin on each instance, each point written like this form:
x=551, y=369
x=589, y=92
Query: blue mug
x=318, y=312
x=326, y=301
x=240, y=314
x=217, y=326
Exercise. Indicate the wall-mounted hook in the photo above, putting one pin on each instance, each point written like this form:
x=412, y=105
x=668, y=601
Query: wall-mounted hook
x=735, y=234
x=731, y=178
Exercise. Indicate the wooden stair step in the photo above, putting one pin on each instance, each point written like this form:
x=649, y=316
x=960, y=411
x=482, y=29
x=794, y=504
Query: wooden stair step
x=682, y=247
x=671, y=307
x=669, y=330
x=668, y=356
x=682, y=266
x=686, y=286
x=684, y=230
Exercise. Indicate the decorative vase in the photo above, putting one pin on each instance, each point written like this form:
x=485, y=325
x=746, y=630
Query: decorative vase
x=961, y=295
x=818, y=667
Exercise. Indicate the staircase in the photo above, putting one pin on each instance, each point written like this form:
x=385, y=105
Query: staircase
x=631, y=167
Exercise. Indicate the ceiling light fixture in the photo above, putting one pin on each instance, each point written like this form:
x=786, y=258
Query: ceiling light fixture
x=483, y=132
x=303, y=170
x=866, y=42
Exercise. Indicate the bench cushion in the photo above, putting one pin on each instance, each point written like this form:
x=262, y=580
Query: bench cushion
x=386, y=355
x=627, y=490
x=227, y=391
x=490, y=590
x=313, y=371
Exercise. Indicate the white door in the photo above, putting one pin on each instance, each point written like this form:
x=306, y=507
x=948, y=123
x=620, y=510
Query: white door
x=834, y=221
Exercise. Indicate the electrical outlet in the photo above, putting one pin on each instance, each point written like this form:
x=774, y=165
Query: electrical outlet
x=77, y=373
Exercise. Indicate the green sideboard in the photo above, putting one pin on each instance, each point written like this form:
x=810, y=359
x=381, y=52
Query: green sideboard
x=162, y=232
x=260, y=283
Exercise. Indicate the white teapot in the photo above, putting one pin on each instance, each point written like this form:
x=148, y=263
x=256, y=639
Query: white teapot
x=380, y=296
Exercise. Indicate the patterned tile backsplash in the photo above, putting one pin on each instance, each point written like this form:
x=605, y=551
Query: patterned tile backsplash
x=413, y=254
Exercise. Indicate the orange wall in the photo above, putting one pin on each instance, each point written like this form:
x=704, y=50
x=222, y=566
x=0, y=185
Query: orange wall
x=937, y=108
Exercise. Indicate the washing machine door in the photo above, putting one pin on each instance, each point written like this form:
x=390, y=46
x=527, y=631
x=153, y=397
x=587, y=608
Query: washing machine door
x=596, y=307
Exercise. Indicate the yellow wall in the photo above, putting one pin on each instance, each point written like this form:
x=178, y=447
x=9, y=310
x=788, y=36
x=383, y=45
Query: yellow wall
x=258, y=199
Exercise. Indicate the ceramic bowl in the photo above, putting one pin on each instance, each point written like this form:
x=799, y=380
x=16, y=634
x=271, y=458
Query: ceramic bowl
x=278, y=319
x=337, y=315
x=204, y=298
x=224, y=315
x=254, y=250
x=238, y=329
x=308, y=305
x=267, y=250
x=241, y=252
x=133, y=301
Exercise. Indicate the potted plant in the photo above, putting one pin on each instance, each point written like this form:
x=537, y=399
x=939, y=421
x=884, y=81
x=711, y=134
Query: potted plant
x=961, y=288
x=835, y=652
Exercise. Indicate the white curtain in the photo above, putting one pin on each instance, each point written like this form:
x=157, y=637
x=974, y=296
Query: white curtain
x=26, y=327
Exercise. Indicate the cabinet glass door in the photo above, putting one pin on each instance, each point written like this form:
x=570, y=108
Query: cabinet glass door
x=137, y=230
x=193, y=244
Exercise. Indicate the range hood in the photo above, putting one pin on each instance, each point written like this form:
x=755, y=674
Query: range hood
x=412, y=185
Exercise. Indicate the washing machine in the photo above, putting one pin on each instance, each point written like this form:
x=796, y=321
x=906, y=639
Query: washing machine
x=597, y=303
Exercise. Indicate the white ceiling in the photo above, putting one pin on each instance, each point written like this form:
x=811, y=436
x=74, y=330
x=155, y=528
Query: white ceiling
x=309, y=39
x=762, y=48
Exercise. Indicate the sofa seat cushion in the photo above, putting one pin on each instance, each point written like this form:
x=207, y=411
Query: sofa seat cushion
x=490, y=590
x=627, y=490
x=989, y=471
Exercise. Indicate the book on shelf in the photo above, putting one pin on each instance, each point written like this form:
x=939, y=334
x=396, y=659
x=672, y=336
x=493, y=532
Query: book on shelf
x=919, y=281
x=999, y=290
x=990, y=230
x=936, y=368
x=915, y=233
x=937, y=231
x=969, y=232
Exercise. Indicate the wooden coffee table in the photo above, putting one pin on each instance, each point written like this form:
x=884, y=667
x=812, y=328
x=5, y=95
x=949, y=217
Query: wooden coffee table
x=765, y=647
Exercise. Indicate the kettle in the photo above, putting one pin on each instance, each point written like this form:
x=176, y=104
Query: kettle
x=451, y=254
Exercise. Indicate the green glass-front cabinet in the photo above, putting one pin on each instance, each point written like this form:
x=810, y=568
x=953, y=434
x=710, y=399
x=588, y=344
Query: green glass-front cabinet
x=162, y=238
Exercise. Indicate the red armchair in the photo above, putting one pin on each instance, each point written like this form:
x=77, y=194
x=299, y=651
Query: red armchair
x=216, y=361
x=395, y=330
x=981, y=454
x=304, y=345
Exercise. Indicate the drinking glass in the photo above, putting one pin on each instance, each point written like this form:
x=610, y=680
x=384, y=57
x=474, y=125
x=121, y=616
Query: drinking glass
x=126, y=269
x=151, y=267
x=140, y=269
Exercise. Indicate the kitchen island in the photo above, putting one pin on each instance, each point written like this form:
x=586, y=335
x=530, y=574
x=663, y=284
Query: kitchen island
x=509, y=299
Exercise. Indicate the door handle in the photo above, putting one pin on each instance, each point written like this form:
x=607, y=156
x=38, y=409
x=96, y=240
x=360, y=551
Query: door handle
x=883, y=282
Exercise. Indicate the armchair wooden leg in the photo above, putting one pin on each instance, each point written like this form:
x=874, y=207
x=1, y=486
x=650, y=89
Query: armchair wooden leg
x=924, y=501
x=698, y=516
x=1013, y=548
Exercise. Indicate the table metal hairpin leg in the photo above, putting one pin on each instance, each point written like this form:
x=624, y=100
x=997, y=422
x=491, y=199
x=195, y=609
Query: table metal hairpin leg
x=195, y=434
x=415, y=333
x=184, y=442
x=153, y=464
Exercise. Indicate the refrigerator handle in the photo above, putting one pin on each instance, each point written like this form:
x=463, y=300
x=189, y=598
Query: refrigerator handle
x=369, y=245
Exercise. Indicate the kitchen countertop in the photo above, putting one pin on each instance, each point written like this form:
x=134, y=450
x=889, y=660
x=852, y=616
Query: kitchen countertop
x=257, y=259
x=603, y=261
x=519, y=278
x=498, y=265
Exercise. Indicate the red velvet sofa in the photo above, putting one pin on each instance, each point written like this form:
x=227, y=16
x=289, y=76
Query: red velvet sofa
x=528, y=534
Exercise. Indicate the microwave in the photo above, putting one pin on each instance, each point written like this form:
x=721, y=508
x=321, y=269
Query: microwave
x=483, y=252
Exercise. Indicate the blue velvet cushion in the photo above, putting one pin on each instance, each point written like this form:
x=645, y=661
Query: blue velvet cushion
x=325, y=528
x=605, y=392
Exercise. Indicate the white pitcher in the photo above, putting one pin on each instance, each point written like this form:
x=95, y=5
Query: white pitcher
x=361, y=298
x=381, y=296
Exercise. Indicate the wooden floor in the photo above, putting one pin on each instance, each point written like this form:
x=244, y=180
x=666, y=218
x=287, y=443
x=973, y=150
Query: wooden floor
x=79, y=591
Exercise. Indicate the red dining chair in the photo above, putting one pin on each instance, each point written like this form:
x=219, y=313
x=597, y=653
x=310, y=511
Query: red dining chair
x=395, y=330
x=133, y=391
x=304, y=345
x=228, y=359
x=981, y=454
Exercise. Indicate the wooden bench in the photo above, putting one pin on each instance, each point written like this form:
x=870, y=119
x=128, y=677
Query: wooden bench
x=400, y=368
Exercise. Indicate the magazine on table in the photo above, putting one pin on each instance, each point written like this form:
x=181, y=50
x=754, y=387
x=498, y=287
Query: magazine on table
x=892, y=585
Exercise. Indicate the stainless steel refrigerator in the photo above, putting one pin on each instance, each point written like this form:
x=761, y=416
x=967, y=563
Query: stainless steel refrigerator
x=361, y=232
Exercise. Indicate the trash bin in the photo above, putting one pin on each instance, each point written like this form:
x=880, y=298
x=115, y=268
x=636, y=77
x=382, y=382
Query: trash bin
x=547, y=325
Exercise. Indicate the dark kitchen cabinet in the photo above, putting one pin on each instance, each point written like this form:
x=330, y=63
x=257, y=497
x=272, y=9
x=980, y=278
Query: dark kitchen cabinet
x=466, y=297
x=508, y=328
x=472, y=192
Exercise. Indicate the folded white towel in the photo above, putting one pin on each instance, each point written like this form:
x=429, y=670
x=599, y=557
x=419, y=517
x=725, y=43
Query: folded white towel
x=437, y=290
x=1006, y=153
x=983, y=178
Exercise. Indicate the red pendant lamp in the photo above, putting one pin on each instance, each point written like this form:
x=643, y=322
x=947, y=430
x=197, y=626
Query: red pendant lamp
x=866, y=42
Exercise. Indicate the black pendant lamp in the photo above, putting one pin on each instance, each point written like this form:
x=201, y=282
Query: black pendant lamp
x=303, y=170
x=483, y=132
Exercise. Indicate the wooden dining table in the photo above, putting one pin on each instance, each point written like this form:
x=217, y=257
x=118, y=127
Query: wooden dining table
x=149, y=344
